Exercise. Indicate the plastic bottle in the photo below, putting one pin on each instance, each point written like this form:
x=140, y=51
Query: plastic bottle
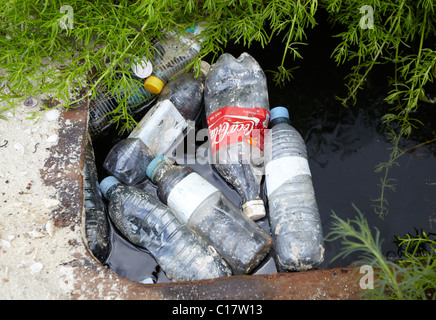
x=138, y=99
x=178, y=51
x=159, y=131
x=293, y=211
x=237, y=110
x=207, y=211
x=148, y=223
x=99, y=119
x=96, y=223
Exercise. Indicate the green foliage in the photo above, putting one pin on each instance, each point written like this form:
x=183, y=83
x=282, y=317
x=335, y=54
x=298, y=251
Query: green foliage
x=413, y=277
x=38, y=55
x=106, y=35
x=403, y=35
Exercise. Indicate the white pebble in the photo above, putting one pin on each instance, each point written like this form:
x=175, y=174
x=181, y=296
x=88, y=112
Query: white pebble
x=19, y=146
x=36, y=267
x=36, y=234
x=50, y=227
x=5, y=244
x=52, y=138
x=50, y=203
x=52, y=114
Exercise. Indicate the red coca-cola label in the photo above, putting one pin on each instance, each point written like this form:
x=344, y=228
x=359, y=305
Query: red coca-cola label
x=232, y=124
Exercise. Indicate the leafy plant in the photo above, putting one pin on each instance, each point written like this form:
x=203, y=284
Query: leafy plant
x=403, y=35
x=410, y=278
x=46, y=49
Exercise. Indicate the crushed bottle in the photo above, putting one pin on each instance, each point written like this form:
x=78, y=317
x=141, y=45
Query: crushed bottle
x=207, y=211
x=146, y=222
x=96, y=223
x=237, y=110
x=293, y=211
x=163, y=127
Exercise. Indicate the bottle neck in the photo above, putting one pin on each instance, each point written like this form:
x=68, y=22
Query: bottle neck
x=110, y=191
x=279, y=120
x=159, y=171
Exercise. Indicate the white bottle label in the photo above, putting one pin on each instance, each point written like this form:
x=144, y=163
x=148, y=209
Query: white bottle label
x=188, y=194
x=160, y=127
x=280, y=170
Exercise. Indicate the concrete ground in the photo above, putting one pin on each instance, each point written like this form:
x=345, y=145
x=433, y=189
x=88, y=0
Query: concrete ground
x=42, y=251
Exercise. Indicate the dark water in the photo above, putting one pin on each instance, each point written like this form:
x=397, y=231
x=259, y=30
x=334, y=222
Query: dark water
x=344, y=146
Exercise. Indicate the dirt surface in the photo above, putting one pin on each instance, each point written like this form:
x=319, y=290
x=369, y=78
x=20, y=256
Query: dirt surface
x=34, y=250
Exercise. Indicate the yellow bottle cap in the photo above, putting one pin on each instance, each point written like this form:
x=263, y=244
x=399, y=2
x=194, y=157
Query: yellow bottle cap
x=154, y=84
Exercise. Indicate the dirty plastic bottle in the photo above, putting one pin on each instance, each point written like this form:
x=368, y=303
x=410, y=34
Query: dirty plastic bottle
x=293, y=211
x=128, y=161
x=178, y=50
x=148, y=223
x=207, y=211
x=96, y=223
x=237, y=110
x=159, y=131
x=137, y=101
x=99, y=119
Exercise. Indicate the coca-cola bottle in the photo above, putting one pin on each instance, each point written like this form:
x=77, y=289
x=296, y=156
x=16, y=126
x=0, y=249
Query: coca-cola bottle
x=148, y=223
x=293, y=210
x=237, y=110
x=211, y=214
x=159, y=131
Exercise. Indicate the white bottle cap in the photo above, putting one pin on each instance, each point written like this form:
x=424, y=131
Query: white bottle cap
x=254, y=209
x=142, y=68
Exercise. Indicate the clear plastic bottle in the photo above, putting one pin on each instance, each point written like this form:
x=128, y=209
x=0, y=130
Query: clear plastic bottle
x=128, y=161
x=207, y=211
x=96, y=223
x=138, y=98
x=237, y=110
x=178, y=51
x=293, y=211
x=148, y=223
x=160, y=130
x=99, y=119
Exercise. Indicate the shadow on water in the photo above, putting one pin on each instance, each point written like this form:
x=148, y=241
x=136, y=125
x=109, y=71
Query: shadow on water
x=344, y=146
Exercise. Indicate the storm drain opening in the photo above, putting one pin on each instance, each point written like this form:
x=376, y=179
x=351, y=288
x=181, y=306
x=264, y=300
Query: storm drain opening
x=343, y=148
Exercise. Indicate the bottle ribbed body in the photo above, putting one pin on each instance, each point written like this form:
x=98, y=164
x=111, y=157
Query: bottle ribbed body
x=96, y=223
x=99, y=108
x=237, y=110
x=237, y=239
x=207, y=211
x=178, y=52
x=180, y=252
x=293, y=211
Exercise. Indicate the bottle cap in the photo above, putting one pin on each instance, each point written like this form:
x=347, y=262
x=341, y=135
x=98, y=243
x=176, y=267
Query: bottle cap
x=153, y=84
x=279, y=112
x=254, y=209
x=107, y=183
x=153, y=165
x=142, y=68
